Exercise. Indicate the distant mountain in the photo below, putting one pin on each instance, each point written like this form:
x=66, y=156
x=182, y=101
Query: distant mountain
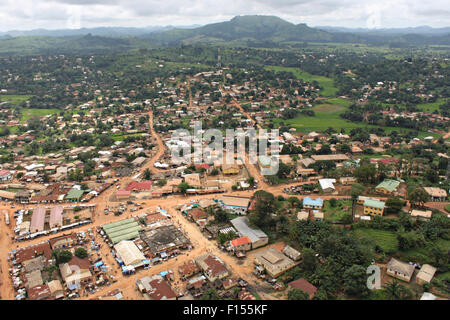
x=260, y=28
x=88, y=44
x=252, y=31
x=112, y=32
x=271, y=29
x=425, y=30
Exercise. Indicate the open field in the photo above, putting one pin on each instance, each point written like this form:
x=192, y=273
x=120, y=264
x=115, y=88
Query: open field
x=430, y=107
x=14, y=98
x=328, y=88
x=424, y=254
x=122, y=137
x=425, y=107
x=327, y=115
x=335, y=214
x=387, y=240
x=30, y=113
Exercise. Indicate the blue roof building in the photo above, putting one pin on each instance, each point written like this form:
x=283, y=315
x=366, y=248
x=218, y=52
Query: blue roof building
x=312, y=204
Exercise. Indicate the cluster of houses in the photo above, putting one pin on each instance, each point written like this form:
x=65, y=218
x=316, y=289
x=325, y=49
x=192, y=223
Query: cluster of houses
x=37, y=276
x=406, y=271
x=53, y=193
x=46, y=220
x=144, y=240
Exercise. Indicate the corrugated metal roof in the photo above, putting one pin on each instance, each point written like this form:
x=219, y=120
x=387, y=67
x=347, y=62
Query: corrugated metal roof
x=38, y=219
x=242, y=226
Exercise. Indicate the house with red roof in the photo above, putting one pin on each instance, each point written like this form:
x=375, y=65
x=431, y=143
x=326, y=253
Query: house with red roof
x=135, y=186
x=197, y=214
x=56, y=217
x=5, y=175
x=303, y=285
x=37, y=220
x=241, y=244
x=385, y=161
x=123, y=194
x=202, y=166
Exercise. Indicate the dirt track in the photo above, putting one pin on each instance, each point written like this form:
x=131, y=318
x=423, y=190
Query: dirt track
x=127, y=283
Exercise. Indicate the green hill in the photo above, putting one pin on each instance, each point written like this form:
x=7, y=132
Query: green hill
x=30, y=45
x=259, y=28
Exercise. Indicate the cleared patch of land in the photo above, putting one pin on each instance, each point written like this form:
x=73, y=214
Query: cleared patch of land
x=327, y=114
x=31, y=113
x=387, y=240
x=433, y=106
x=327, y=84
x=14, y=98
x=124, y=136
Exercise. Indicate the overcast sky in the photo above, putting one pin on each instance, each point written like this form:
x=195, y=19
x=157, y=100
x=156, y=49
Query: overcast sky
x=62, y=14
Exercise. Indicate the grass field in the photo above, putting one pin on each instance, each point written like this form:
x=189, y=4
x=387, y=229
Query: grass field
x=14, y=98
x=14, y=129
x=327, y=115
x=337, y=213
x=122, y=137
x=423, y=254
x=425, y=107
x=30, y=113
x=430, y=107
x=328, y=88
x=387, y=240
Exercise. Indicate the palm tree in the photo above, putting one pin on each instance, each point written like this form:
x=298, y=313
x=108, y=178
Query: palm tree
x=396, y=291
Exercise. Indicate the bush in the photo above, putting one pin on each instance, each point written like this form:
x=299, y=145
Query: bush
x=297, y=294
x=61, y=256
x=333, y=202
x=81, y=253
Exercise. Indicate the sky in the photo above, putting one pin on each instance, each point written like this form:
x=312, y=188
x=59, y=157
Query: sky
x=75, y=14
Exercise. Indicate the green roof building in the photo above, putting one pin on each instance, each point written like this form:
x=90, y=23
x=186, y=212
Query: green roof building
x=373, y=207
x=74, y=195
x=127, y=229
x=387, y=186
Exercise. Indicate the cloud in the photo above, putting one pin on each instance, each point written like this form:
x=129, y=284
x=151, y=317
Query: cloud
x=54, y=14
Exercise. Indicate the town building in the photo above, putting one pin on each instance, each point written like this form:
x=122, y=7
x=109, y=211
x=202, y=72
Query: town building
x=346, y=181
x=426, y=274
x=400, y=270
x=423, y=215
x=274, y=262
x=75, y=272
x=62, y=242
x=213, y=267
x=241, y=244
x=56, y=217
x=436, y=194
x=163, y=240
x=309, y=203
x=257, y=237
x=188, y=269
x=303, y=285
x=292, y=253
x=37, y=220
x=237, y=205
x=155, y=288
x=373, y=207
x=327, y=185
x=387, y=186
x=129, y=253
